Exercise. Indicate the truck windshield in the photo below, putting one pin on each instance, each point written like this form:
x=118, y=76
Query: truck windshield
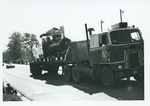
x=125, y=36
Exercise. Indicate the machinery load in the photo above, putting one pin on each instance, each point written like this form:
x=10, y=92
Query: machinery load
x=54, y=43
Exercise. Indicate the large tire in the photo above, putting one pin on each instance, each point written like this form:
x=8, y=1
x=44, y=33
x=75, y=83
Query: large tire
x=67, y=73
x=139, y=77
x=107, y=77
x=76, y=74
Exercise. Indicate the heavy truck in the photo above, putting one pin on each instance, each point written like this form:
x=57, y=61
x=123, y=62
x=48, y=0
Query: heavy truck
x=108, y=56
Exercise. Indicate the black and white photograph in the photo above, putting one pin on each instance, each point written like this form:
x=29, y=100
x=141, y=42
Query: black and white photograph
x=75, y=52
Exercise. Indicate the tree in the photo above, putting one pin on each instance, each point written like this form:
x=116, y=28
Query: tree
x=6, y=56
x=15, y=46
x=20, y=47
x=29, y=41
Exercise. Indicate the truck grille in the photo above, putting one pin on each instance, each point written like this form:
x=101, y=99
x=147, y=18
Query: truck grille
x=134, y=60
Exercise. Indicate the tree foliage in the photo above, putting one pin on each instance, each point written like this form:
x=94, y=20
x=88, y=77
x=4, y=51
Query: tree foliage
x=20, y=47
x=15, y=46
x=6, y=56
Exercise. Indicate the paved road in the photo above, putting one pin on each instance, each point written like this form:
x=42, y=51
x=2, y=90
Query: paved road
x=54, y=87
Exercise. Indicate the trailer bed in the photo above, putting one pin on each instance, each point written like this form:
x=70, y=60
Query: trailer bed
x=59, y=62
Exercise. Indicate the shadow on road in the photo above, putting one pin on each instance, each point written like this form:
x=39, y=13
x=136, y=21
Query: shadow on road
x=123, y=90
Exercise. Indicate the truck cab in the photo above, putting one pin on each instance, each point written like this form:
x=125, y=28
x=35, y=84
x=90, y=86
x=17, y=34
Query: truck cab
x=121, y=49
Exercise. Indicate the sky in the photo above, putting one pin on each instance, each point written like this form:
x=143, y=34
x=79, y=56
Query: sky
x=38, y=16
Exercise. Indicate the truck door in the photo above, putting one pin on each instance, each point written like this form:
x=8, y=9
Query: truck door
x=98, y=48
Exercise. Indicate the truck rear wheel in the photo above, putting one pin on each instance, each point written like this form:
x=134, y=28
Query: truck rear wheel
x=139, y=77
x=67, y=73
x=76, y=75
x=107, y=77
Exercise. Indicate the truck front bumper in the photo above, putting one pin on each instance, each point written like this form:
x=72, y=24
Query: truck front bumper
x=128, y=73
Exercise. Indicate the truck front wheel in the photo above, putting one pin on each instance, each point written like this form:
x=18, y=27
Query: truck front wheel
x=107, y=77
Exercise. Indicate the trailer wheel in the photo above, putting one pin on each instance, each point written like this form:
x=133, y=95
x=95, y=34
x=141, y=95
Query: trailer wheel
x=107, y=77
x=76, y=75
x=67, y=73
x=139, y=77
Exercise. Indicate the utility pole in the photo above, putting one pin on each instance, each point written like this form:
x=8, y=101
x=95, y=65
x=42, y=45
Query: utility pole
x=121, y=12
x=101, y=25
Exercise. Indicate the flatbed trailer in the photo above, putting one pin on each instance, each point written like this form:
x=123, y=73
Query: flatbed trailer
x=43, y=64
x=76, y=54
